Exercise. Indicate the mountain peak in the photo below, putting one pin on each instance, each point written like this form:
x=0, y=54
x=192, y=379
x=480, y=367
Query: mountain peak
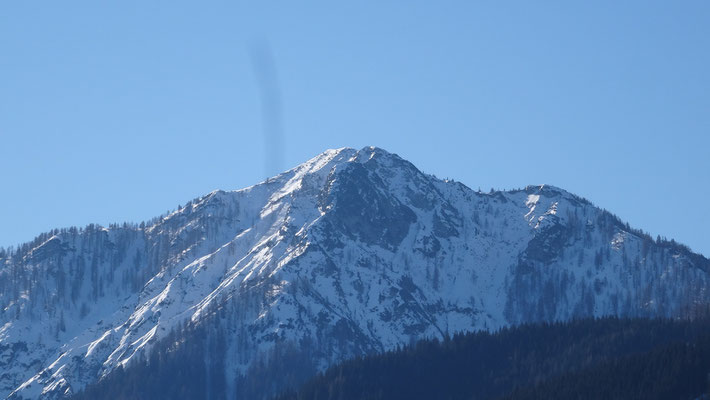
x=351, y=252
x=362, y=155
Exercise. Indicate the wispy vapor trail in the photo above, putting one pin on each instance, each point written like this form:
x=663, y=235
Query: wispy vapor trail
x=270, y=93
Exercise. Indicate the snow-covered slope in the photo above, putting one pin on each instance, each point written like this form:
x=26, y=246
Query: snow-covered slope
x=350, y=252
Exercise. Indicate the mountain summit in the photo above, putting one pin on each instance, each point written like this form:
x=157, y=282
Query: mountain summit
x=351, y=252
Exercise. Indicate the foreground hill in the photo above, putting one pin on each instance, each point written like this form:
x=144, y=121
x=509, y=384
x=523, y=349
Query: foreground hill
x=586, y=359
x=351, y=253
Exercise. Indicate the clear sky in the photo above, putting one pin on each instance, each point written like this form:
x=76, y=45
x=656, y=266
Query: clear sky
x=119, y=112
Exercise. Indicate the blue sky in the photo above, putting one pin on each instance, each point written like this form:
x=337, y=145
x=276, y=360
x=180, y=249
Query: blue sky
x=119, y=112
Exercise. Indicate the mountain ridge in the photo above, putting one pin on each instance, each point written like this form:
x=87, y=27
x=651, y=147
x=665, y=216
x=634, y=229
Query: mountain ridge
x=353, y=251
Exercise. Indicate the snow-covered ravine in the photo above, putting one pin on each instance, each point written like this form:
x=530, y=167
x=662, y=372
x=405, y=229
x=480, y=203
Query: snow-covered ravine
x=356, y=251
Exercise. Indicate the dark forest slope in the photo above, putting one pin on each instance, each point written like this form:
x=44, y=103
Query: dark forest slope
x=594, y=359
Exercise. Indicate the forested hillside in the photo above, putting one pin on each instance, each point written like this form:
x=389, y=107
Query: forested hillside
x=674, y=371
x=608, y=358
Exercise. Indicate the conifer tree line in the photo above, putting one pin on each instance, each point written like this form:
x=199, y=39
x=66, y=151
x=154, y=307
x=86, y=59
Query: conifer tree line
x=607, y=358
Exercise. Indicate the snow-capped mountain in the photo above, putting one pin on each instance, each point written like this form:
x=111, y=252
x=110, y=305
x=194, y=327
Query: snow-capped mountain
x=351, y=252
